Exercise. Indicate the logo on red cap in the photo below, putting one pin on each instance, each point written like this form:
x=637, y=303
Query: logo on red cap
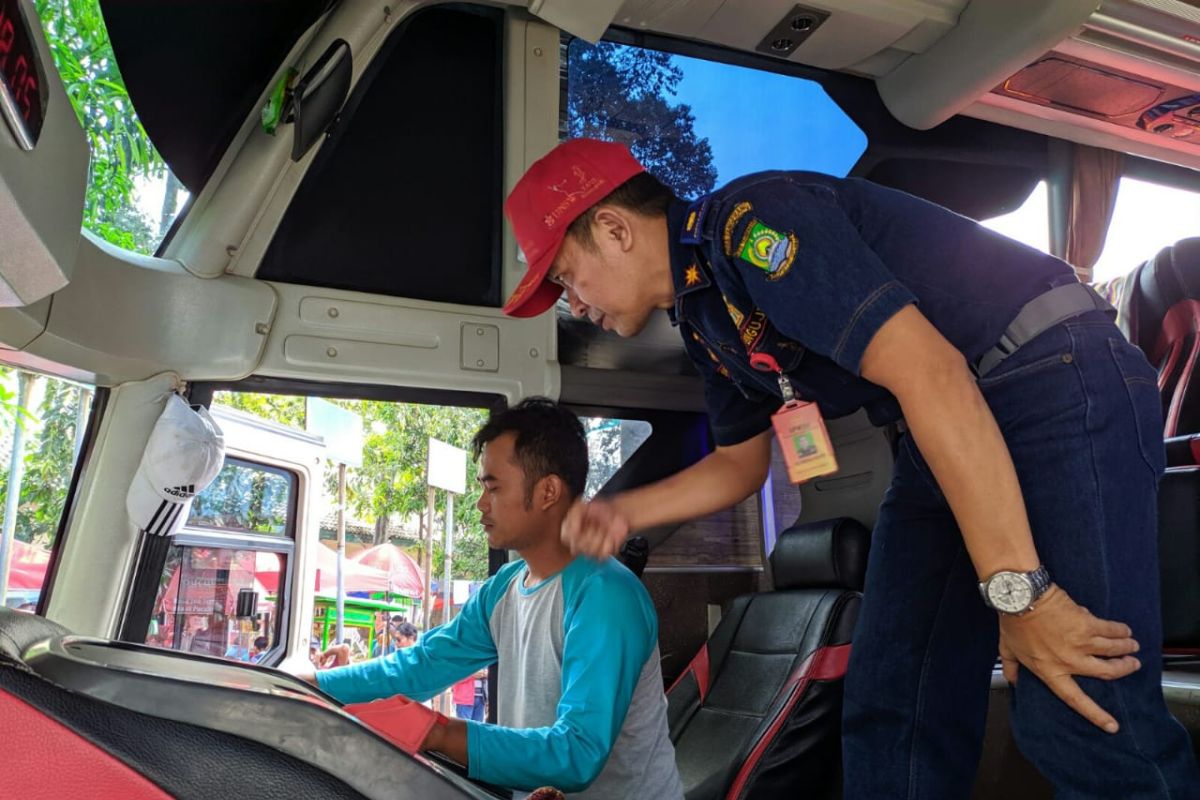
x=584, y=186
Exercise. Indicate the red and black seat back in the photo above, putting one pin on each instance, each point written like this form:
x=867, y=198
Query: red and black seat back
x=758, y=711
x=146, y=723
x=1159, y=303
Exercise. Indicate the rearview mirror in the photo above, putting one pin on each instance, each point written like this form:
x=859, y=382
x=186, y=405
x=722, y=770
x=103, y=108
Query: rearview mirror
x=319, y=96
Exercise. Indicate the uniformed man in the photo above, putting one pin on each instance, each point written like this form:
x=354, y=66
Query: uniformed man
x=1023, y=499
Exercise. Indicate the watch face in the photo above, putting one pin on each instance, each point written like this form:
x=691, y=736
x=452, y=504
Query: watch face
x=1010, y=592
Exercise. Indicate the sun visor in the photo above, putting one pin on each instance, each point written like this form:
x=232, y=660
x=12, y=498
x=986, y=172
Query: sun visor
x=43, y=164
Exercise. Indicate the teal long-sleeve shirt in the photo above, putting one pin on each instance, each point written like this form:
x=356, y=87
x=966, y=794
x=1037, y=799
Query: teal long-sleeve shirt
x=573, y=651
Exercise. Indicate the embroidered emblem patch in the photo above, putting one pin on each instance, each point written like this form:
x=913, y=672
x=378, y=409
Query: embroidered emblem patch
x=691, y=275
x=768, y=249
x=735, y=216
x=734, y=314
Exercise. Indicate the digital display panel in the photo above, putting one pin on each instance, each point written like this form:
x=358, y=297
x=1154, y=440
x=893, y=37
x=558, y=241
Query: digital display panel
x=22, y=81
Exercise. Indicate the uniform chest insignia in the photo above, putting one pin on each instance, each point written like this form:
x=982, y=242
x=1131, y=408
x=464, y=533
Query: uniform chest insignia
x=691, y=276
x=768, y=249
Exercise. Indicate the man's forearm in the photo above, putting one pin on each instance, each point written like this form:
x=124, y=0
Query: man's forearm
x=450, y=740
x=721, y=479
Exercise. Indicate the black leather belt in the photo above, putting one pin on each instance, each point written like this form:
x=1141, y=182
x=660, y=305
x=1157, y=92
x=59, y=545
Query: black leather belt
x=1039, y=315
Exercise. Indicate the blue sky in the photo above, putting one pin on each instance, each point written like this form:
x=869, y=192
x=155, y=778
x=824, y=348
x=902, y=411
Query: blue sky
x=758, y=120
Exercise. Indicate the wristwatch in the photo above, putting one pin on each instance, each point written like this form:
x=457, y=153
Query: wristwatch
x=1014, y=592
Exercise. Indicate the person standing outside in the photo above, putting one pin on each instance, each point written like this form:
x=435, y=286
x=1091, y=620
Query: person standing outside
x=1022, y=506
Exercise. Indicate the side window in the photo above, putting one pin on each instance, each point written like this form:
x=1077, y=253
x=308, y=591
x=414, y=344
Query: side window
x=245, y=497
x=42, y=425
x=1147, y=217
x=697, y=124
x=610, y=444
x=224, y=587
x=1029, y=224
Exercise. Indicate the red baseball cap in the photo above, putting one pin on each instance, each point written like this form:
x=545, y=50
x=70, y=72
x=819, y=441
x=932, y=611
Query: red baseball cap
x=553, y=193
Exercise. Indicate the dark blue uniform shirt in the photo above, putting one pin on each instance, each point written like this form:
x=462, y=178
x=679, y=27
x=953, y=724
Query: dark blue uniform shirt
x=807, y=267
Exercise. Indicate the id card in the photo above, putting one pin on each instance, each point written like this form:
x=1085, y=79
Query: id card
x=806, y=446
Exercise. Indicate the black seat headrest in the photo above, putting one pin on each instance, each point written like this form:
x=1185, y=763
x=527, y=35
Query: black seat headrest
x=830, y=554
x=1172, y=275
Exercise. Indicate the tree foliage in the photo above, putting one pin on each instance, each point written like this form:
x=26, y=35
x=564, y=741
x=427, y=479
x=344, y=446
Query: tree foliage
x=121, y=150
x=390, y=484
x=49, y=458
x=624, y=94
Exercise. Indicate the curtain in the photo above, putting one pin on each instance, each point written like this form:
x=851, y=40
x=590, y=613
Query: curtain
x=1095, y=175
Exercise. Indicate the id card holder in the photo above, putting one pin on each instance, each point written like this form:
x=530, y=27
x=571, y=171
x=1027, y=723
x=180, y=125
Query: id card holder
x=799, y=429
x=807, y=448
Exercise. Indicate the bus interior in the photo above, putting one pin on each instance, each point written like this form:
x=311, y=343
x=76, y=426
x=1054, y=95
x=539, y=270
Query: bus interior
x=315, y=151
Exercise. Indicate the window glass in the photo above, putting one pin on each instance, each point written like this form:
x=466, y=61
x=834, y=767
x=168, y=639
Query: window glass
x=196, y=609
x=1029, y=224
x=610, y=444
x=404, y=197
x=131, y=195
x=245, y=497
x=1147, y=217
x=696, y=124
x=391, y=543
x=42, y=426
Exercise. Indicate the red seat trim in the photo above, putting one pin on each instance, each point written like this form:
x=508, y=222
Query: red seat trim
x=699, y=670
x=826, y=664
x=46, y=760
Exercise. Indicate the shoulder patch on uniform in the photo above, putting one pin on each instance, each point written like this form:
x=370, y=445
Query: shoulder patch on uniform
x=693, y=220
x=735, y=216
x=768, y=249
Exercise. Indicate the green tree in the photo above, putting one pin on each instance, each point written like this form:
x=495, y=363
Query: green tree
x=625, y=94
x=49, y=463
x=121, y=150
x=391, y=481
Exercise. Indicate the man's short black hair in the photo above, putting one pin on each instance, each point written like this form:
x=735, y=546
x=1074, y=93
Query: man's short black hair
x=643, y=194
x=407, y=630
x=549, y=441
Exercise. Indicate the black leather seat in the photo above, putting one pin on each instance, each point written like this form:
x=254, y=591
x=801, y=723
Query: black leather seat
x=153, y=723
x=1159, y=305
x=757, y=714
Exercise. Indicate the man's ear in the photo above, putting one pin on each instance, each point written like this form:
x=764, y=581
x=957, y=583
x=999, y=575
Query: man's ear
x=549, y=491
x=613, y=226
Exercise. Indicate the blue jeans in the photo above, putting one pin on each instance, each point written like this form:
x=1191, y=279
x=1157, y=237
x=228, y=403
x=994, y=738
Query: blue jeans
x=1079, y=410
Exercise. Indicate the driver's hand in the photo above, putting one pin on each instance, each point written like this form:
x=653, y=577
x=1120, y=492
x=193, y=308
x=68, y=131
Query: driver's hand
x=1060, y=639
x=595, y=529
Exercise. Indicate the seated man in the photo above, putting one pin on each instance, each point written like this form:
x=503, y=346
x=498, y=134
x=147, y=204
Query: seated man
x=580, y=701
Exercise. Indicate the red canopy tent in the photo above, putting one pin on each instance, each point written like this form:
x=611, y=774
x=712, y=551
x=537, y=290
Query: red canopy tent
x=404, y=575
x=359, y=577
x=27, y=566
